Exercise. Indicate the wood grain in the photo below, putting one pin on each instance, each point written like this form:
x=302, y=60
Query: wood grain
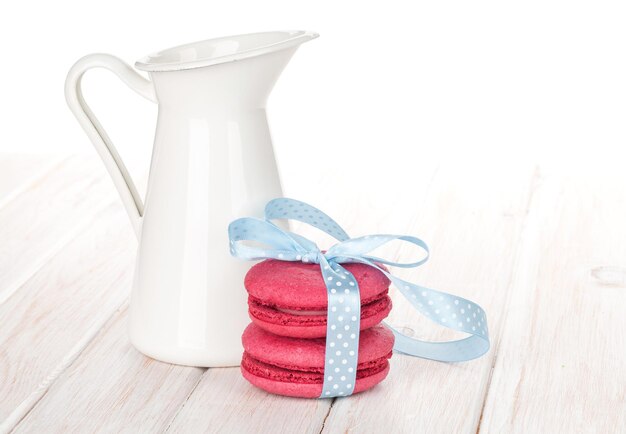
x=543, y=252
x=58, y=310
x=562, y=352
x=43, y=289
x=46, y=215
x=224, y=402
x=111, y=351
x=18, y=172
x=93, y=395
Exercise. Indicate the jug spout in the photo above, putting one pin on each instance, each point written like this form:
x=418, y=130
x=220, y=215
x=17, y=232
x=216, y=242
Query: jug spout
x=232, y=72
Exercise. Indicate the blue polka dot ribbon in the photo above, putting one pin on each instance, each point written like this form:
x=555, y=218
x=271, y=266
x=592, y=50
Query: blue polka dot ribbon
x=255, y=239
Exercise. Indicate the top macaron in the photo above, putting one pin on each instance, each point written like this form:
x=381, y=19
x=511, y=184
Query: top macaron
x=290, y=298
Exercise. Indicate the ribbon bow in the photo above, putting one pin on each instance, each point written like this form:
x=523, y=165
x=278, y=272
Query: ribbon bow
x=344, y=304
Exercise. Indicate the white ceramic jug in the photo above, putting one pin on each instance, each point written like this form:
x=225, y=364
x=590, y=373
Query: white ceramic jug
x=212, y=162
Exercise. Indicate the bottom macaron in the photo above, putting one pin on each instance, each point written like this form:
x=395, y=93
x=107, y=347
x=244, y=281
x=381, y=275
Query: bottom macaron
x=295, y=366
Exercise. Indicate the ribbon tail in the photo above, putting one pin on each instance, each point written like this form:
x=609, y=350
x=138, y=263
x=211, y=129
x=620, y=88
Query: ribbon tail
x=469, y=348
x=447, y=310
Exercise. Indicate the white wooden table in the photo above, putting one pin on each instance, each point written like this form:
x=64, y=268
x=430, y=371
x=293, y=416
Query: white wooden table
x=544, y=252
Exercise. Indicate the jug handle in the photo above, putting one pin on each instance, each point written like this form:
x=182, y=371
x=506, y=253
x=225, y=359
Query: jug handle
x=101, y=141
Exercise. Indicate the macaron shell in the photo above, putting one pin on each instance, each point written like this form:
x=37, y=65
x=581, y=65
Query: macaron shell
x=308, y=354
x=300, y=286
x=300, y=390
x=300, y=326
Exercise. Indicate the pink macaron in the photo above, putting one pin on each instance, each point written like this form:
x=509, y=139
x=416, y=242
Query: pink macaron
x=295, y=366
x=290, y=298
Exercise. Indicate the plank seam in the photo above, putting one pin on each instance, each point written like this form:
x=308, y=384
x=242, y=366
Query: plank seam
x=22, y=410
x=180, y=408
x=330, y=408
x=37, y=264
x=396, y=254
x=534, y=182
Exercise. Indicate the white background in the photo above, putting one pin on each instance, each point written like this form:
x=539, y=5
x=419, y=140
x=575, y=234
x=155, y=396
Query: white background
x=386, y=83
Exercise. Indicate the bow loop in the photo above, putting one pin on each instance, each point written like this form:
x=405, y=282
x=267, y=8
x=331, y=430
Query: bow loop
x=283, y=208
x=269, y=240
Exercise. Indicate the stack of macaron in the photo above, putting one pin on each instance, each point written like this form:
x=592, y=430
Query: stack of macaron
x=284, y=347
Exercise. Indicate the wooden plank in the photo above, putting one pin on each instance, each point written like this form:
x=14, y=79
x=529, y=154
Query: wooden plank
x=224, y=402
x=44, y=217
x=58, y=310
x=18, y=172
x=91, y=396
x=57, y=291
x=472, y=221
x=560, y=366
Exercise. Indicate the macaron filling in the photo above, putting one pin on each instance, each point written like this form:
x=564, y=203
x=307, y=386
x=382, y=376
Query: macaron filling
x=301, y=375
x=302, y=312
x=308, y=317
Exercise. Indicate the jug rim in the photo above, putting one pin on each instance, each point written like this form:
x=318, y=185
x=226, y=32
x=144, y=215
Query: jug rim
x=221, y=50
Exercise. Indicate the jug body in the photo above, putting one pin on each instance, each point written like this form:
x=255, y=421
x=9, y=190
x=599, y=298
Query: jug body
x=212, y=162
